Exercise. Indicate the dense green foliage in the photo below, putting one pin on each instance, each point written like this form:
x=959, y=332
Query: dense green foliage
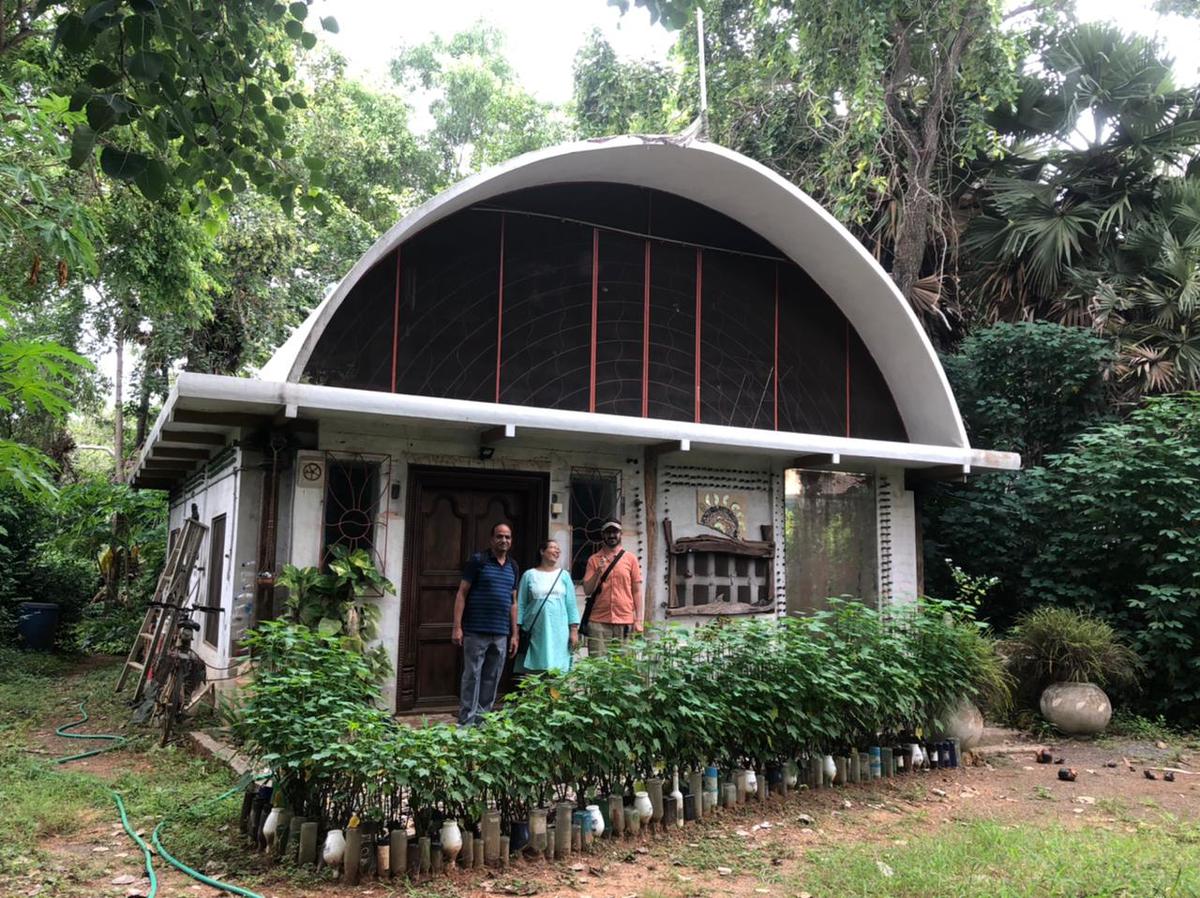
x=1119, y=534
x=754, y=693
x=57, y=547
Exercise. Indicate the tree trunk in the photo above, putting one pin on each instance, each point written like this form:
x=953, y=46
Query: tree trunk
x=909, y=251
x=118, y=412
x=143, y=412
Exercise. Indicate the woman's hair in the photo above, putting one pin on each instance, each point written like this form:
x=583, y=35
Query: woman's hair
x=542, y=545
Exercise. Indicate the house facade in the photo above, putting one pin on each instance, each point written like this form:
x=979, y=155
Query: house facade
x=658, y=331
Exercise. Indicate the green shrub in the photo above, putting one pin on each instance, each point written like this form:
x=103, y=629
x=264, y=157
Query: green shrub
x=1120, y=536
x=1053, y=645
x=751, y=693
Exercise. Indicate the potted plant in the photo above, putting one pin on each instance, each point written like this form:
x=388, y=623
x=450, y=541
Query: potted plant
x=1065, y=657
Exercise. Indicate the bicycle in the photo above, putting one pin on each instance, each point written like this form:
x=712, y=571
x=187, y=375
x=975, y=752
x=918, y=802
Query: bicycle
x=178, y=672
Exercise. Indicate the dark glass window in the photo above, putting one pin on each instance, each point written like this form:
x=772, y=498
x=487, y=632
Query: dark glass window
x=812, y=357
x=595, y=500
x=216, y=573
x=355, y=506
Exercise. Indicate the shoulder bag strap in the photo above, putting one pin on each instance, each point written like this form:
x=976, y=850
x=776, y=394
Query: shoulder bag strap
x=591, y=600
x=545, y=599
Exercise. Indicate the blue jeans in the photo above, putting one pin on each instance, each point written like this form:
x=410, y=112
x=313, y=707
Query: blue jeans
x=483, y=662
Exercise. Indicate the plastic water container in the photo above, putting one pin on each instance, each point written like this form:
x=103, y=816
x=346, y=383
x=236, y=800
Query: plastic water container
x=38, y=624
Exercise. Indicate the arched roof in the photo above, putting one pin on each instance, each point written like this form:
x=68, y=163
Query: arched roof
x=738, y=187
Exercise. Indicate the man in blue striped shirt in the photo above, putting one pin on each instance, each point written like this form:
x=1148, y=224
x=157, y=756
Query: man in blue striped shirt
x=485, y=623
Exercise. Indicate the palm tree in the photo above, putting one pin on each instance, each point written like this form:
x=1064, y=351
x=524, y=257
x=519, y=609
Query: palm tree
x=1094, y=140
x=1152, y=304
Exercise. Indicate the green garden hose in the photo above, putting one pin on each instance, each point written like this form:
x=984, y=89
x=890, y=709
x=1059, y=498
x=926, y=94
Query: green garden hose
x=117, y=742
x=184, y=868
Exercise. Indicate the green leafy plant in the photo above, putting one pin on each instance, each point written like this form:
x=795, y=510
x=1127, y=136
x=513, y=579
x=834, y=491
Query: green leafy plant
x=1050, y=645
x=332, y=603
x=737, y=694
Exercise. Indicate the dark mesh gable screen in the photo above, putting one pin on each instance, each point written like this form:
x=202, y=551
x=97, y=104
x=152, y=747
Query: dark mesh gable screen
x=619, y=324
x=812, y=357
x=450, y=305
x=450, y=275
x=355, y=350
x=672, y=388
x=737, y=335
x=546, y=356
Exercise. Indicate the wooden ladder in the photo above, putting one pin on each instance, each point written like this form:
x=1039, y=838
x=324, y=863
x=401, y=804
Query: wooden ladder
x=172, y=590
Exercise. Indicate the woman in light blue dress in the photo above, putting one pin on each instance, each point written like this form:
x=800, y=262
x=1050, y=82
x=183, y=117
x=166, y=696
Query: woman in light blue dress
x=547, y=609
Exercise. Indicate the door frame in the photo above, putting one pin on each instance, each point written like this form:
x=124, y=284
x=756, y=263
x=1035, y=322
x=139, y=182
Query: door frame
x=535, y=483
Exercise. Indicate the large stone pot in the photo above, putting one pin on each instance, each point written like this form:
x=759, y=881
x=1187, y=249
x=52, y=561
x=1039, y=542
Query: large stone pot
x=964, y=722
x=1077, y=709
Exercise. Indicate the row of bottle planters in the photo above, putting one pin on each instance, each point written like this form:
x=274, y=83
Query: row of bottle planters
x=374, y=850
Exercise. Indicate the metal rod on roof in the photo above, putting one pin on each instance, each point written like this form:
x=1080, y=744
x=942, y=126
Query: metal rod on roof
x=703, y=80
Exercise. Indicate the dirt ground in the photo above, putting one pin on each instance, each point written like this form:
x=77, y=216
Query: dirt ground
x=746, y=851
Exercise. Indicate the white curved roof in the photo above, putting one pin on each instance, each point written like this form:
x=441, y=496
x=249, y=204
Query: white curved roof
x=731, y=184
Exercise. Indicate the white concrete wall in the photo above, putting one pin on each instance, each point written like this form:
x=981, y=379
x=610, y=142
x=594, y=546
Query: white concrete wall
x=679, y=476
x=682, y=477
x=217, y=494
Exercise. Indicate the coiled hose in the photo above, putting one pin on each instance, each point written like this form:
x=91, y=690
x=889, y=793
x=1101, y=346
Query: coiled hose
x=116, y=742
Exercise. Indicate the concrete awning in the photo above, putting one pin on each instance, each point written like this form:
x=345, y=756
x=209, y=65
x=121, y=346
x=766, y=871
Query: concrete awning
x=205, y=412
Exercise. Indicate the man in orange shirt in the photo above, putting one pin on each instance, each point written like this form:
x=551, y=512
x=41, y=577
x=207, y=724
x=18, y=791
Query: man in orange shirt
x=617, y=610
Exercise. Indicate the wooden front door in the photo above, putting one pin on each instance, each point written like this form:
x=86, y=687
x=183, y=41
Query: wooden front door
x=451, y=513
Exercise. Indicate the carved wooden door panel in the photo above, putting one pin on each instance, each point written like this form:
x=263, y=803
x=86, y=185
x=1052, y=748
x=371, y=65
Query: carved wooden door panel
x=450, y=515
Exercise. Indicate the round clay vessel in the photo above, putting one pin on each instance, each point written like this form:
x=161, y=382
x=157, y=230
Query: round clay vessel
x=963, y=722
x=1077, y=709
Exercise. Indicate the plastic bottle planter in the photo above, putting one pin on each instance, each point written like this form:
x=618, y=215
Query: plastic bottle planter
x=491, y=838
x=271, y=826
x=696, y=787
x=791, y=774
x=751, y=783
x=643, y=806
x=537, y=829
x=876, y=762
x=730, y=795
x=597, y=820
x=915, y=757
x=633, y=820
x=885, y=762
x=334, y=848
x=829, y=769
x=616, y=816
x=452, y=841
x=654, y=789
x=690, y=802
x=518, y=836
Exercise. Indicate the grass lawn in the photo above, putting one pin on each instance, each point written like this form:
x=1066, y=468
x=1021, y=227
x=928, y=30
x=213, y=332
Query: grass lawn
x=983, y=858
x=46, y=806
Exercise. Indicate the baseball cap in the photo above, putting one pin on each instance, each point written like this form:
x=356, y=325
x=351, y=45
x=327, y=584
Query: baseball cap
x=611, y=525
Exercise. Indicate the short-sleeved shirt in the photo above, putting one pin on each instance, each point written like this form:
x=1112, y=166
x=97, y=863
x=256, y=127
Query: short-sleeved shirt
x=488, y=609
x=614, y=604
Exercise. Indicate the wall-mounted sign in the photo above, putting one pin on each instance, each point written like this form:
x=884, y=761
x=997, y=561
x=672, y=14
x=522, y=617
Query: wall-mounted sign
x=724, y=512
